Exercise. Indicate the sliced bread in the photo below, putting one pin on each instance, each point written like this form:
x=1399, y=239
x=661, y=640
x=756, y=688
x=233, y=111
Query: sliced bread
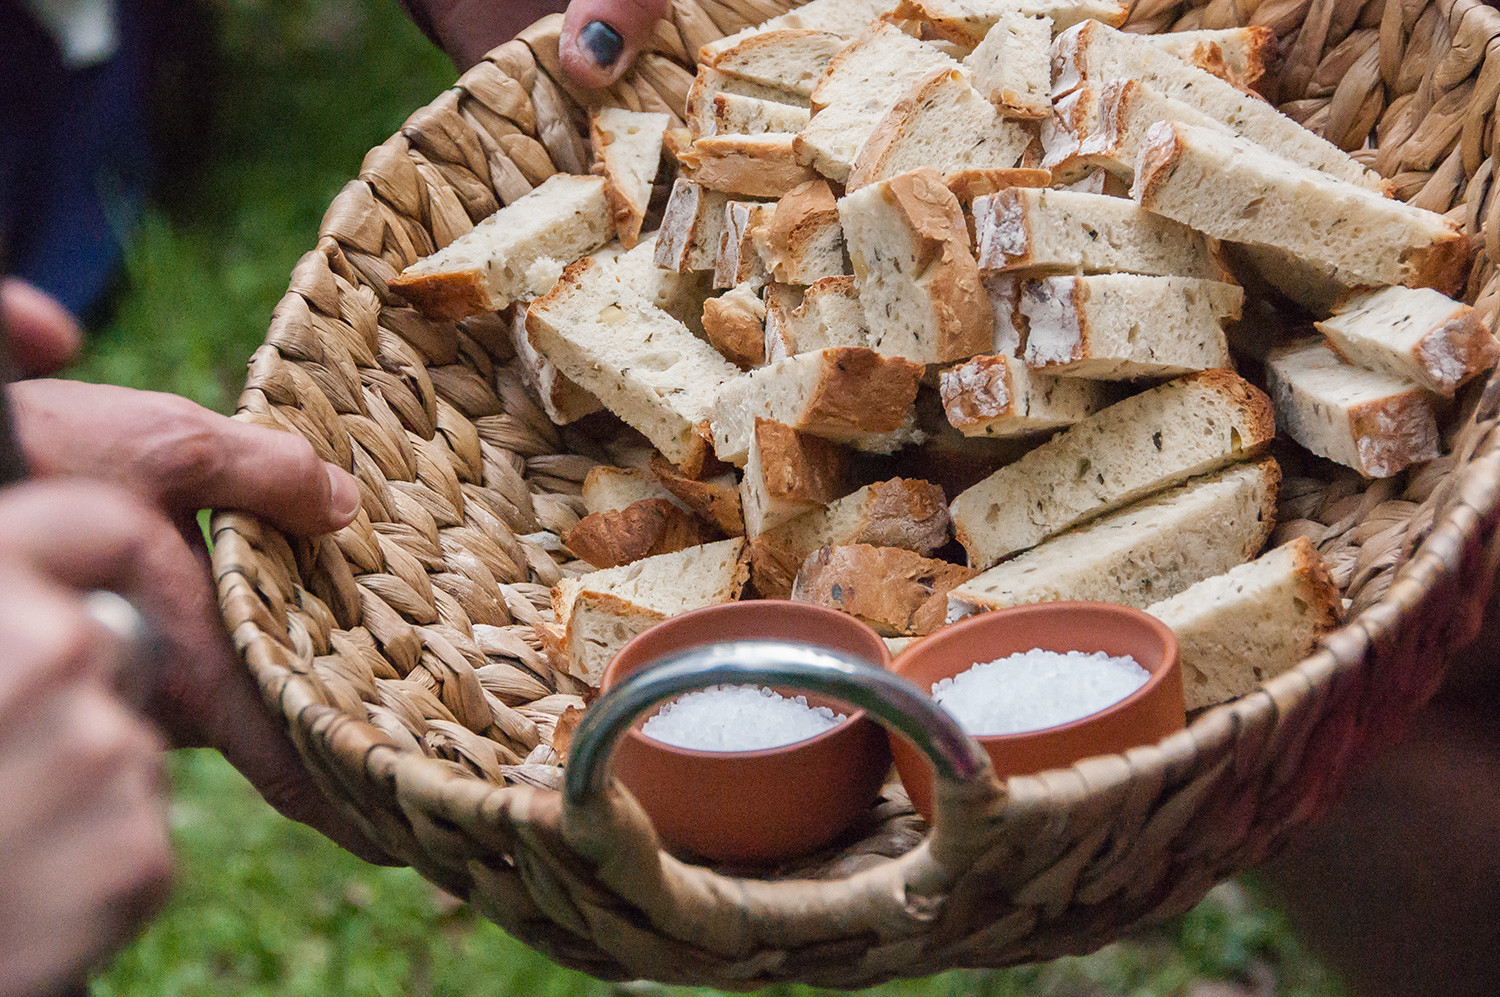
x=737, y=114
x=1012, y=66
x=803, y=242
x=1232, y=190
x=739, y=260
x=789, y=59
x=1110, y=137
x=1113, y=327
x=998, y=396
x=917, y=280
x=716, y=499
x=829, y=314
x=607, y=488
x=787, y=474
x=1239, y=55
x=841, y=394
x=641, y=529
x=1098, y=54
x=734, y=324
x=1141, y=554
x=845, y=18
x=900, y=512
x=1419, y=335
x=1060, y=230
x=1239, y=629
x=679, y=294
x=561, y=397
x=752, y=165
x=942, y=123
x=1371, y=421
x=897, y=592
x=691, y=227
x=701, y=113
x=644, y=365
x=505, y=257
x=598, y=613
x=968, y=22
x=1159, y=438
x=627, y=154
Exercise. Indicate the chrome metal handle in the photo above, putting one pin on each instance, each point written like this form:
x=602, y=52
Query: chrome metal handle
x=893, y=700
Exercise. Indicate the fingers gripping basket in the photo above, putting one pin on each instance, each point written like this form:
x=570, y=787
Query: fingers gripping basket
x=401, y=651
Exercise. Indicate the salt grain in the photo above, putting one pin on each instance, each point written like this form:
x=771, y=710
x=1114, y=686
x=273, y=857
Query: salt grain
x=738, y=718
x=1036, y=689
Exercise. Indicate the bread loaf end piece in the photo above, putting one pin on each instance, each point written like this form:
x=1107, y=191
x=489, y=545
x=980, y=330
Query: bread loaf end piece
x=897, y=592
x=734, y=323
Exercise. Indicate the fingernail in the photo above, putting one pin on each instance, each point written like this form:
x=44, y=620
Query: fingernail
x=343, y=494
x=601, y=42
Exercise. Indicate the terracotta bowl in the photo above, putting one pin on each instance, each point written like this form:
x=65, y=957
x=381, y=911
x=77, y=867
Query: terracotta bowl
x=1145, y=716
x=755, y=806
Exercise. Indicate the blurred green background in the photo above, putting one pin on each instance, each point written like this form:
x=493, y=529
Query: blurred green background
x=266, y=108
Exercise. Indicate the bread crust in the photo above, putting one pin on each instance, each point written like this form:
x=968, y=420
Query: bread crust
x=735, y=331
x=967, y=184
x=860, y=391
x=818, y=42
x=802, y=216
x=897, y=592
x=716, y=500
x=641, y=529
x=751, y=165
x=800, y=467
x=447, y=296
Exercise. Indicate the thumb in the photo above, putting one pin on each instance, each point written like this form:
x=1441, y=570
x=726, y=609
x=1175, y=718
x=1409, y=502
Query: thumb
x=43, y=335
x=600, y=38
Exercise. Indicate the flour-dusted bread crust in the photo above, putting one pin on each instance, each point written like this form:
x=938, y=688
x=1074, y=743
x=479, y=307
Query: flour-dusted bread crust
x=627, y=154
x=734, y=323
x=896, y=592
x=829, y=314
x=1141, y=554
x=1095, y=53
x=496, y=263
x=735, y=114
x=787, y=474
x=1012, y=66
x=900, y=512
x=1110, y=137
x=917, y=280
x=1059, y=230
x=998, y=396
x=860, y=85
x=841, y=394
x=1113, y=327
x=561, y=397
x=644, y=365
x=1239, y=629
x=941, y=123
x=967, y=22
x=1239, y=55
x=751, y=165
x=1418, y=334
x=1235, y=191
x=1371, y=421
x=1151, y=441
x=789, y=59
x=803, y=241
x=739, y=260
x=598, y=613
x=641, y=529
x=691, y=227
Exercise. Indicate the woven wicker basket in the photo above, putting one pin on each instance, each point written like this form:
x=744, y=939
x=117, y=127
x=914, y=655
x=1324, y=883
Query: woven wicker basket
x=401, y=650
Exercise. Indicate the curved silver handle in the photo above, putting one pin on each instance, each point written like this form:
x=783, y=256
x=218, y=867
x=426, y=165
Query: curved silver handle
x=886, y=696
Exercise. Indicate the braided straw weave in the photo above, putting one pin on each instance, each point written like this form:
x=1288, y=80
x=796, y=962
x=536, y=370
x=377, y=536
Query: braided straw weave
x=402, y=650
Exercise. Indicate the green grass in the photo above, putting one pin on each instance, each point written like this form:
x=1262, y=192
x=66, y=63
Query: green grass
x=262, y=906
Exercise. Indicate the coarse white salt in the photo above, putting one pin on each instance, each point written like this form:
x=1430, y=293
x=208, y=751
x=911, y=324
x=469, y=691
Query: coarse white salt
x=738, y=718
x=1036, y=689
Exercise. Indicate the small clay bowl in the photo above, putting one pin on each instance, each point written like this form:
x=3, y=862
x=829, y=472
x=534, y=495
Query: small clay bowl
x=1145, y=716
x=755, y=807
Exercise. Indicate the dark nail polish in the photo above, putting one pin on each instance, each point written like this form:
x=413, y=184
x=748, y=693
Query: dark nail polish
x=601, y=42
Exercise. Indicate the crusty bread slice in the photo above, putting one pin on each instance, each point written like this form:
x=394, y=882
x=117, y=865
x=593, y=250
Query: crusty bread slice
x=737, y=114
x=644, y=365
x=790, y=59
x=787, y=474
x=897, y=592
x=641, y=529
x=627, y=154
x=1110, y=137
x=1154, y=440
x=998, y=396
x=1371, y=421
x=1141, y=554
x=1094, y=52
x=739, y=260
x=1232, y=190
x=1239, y=629
x=561, y=397
x=845, y=18
x=753, y=165
x=917, y=280
x=841, y=394
x=900, y=512
x=715, y=499
x=700, y=112
x=803, y=241
x=598, y=613
x=941, y=123
x=734, y=323
x=1113, y=327
x=1239, y=55
x=971, y=183
x=1036, y=229
x=609, y=489
x=1419, y=335
x=691, y=227
x=679, y=294
x=506, y=256
x=860, y=85
x=967, y=22
x=828, y=315
x=1012, y=66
